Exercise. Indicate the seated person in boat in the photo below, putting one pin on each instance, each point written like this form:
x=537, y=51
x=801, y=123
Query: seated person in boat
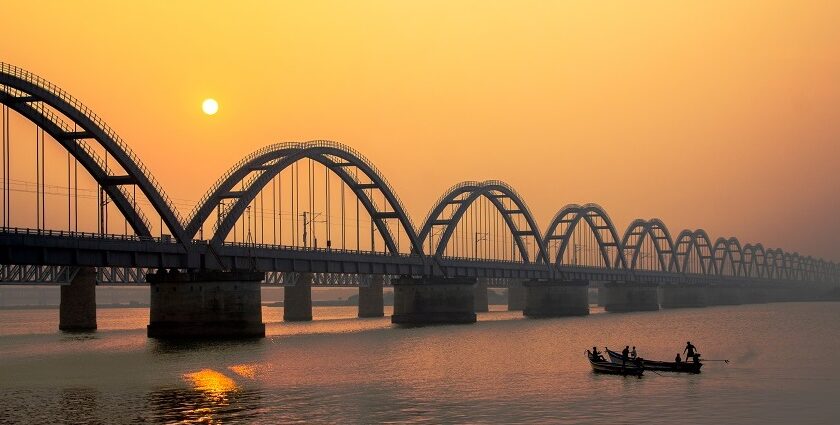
x=633, y=353
x=678, y=359
x=625, y=354
x=596, y=355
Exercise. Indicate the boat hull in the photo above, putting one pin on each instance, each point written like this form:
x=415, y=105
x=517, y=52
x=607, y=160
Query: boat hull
x=682, y=367
x=613, y=368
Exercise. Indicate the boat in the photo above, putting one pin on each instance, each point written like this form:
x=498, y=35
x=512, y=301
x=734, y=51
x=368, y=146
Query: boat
x=604, y=366
x=659, y=366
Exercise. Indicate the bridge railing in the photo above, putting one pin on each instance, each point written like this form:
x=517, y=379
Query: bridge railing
x=92, y=235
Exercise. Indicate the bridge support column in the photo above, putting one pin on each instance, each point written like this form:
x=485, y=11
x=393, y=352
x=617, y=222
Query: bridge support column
x=556, y=298
x=630, y=296
x=516, y=296
x=433, y=300
x=77, y=311
x=371, y=303
x=297, y=300
x=480, y=296
x=755, y=294
x=208, y=304
x=724, y=294
x=691, y=295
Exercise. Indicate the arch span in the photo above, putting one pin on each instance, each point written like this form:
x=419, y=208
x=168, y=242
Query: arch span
x=263, y=165
x=654, y=229
x=598, y=222
x=728, y=257
x=462, y=195
x=754, y=261
x=775, y=264
x=696, y=241
x=34, y=98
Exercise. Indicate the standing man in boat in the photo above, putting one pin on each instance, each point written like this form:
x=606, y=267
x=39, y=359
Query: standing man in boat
x=625, y=354
x=690, y=351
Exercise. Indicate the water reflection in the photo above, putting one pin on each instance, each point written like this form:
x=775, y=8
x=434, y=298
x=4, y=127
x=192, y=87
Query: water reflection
x=215, y=403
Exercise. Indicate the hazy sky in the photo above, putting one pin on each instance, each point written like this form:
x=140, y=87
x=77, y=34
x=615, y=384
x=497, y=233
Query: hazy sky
x=714, y=114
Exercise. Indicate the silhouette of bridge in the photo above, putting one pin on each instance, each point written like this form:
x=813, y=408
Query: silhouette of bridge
x=474, y=230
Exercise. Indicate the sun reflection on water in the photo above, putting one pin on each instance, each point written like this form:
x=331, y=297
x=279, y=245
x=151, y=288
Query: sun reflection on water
x=211, y=382
x=244, y=370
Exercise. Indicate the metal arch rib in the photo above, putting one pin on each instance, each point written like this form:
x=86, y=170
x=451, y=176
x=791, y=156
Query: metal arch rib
x=319, y=153
x=89, y=122
x=722, y=251
x=94, y=165
x=691, y=238
x=313, y=149
x=476, y=190
x=647, y=230
x=582, y=212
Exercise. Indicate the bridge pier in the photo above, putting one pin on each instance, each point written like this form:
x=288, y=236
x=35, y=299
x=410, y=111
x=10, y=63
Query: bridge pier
x=371, y=303
x=724, y=294
x=622, y=297
x=754, y=294
x=516, y=296
x=297, y=300
x=207, y=304
x=556, y=298
x=77, y=311
x=680, y=295
x=433, y=300
x=482, y=304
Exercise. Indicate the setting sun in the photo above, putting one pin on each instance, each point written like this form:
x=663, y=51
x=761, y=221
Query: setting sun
x=210, y=106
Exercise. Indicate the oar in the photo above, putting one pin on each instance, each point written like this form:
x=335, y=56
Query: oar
x=708, y=360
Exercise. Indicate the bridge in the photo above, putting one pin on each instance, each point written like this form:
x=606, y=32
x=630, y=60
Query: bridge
x=320, y=213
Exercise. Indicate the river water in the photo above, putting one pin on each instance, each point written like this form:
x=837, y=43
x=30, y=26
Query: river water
x=503, y=369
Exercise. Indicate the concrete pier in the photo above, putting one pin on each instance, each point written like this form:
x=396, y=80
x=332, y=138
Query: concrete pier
x=724, y=294
x=371, y=303
x=77, y=311
x=210, y=304
x=754, y=294
x=630, y=296
x=433, y=300
x=556, y=298
x=297, y=300
x=684, y=295
x=516, y=296
x=480, y=296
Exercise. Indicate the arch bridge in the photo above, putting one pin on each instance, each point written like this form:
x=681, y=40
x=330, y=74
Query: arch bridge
x=475, y=229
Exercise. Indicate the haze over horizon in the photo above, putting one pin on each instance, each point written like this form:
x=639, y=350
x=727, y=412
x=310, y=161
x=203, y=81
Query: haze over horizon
x=715, y=115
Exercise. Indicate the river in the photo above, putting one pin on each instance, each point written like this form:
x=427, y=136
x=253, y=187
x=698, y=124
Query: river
x=503, y=369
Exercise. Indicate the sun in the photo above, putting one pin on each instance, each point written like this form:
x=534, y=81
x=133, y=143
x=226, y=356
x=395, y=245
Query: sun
x=210, y=106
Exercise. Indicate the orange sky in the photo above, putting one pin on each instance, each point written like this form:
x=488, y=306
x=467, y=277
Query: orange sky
x=713, y=114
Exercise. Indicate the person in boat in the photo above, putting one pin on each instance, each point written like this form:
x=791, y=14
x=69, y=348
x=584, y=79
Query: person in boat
x=625, y=355
x=596, y=355
x=633, y=353
x=689, y=350
x=677, y=359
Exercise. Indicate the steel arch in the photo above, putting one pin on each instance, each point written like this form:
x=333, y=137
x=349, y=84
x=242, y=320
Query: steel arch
x=572, y=214
x=728, y=249
x=775, y=264
x=644, y=229
x=696, y=241
x=464, y=194
x=270, y=161
x=754, y=260
x=26, y=93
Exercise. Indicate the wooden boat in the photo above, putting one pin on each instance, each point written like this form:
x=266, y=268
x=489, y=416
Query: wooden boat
x=683, y=367
x=604, y=366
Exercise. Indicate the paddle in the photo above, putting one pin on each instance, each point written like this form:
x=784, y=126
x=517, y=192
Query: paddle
x=708, y=360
